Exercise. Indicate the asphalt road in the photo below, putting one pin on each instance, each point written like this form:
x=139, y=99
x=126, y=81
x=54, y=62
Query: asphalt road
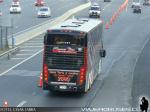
x=141, y=83
x=28, y=17
x=119, y=84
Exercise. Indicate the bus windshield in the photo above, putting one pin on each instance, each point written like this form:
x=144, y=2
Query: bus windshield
x=64, y=39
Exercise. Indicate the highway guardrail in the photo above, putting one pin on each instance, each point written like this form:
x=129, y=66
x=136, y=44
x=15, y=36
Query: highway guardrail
x=9, y=52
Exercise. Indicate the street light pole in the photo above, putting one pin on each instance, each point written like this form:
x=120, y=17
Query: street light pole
x=1, y=38
x=6, y=42
x=12, y=26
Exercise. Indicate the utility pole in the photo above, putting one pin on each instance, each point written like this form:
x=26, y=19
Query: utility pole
x=1, y=40
x=6, y=41
x=12, y=26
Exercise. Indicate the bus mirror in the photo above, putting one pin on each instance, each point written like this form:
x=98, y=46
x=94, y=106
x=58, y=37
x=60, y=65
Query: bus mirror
x=102, y=53
x=45, y=39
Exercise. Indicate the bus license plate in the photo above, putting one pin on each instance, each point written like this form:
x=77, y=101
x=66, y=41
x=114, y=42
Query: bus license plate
x=63, y=87
x=64, y=79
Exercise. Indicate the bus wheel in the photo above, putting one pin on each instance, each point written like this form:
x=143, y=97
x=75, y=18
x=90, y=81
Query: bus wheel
x=52, y=91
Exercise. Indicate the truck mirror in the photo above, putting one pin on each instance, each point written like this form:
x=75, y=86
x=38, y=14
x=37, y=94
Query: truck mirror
x=102, y=53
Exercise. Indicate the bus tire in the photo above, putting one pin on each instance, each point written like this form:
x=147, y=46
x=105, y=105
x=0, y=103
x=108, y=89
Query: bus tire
x=45, y=86
x=52, y=91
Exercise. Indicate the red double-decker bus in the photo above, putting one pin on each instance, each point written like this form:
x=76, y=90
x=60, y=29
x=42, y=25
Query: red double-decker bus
x=72, y=57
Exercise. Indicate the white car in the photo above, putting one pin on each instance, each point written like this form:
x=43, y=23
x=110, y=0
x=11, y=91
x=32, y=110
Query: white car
x=146, y=2
x=39, y=3
x=135, y=2
x=44, y=12
x=15, y=8
x=95, y=10
x=1, y=1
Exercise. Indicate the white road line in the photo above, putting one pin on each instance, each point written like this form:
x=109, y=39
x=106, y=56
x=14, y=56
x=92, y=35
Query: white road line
x=106, y=6
x=24, y=54
x=30, y=46
x=17, y=58
x=33, y=43
x=114, y=61
x=38, y=38
x=21, y=63
x=21, y=103
x=25, y=50
x=37, y=41
x=38, y=75
x=127, y=7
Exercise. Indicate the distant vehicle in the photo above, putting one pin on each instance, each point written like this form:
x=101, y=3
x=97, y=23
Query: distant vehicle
x=1, y=1
x=39, y=3
x=72, y=57
x=135, y=2
x=146, y=2
x=1, y=13
x=137, y=8
x=95, y=10
x=15, y=8
x=44, y=12
x=107, y=0
x=16, y=1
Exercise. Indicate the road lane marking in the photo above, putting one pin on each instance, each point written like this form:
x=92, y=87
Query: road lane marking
x=17, y=58
x=21, y=103
x=30, y=46
x=21, y=63
x=35, y=44
x=23, y=54
x=127, y=7
x=37, y=40
x=26, y=50
x=108, y=5
x=113, y=62
x=137, y=58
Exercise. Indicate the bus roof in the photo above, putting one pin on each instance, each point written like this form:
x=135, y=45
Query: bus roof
x=78, y=24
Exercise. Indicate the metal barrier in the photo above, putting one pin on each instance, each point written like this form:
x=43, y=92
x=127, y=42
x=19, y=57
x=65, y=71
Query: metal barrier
x=4, y=30
x=9, y=52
